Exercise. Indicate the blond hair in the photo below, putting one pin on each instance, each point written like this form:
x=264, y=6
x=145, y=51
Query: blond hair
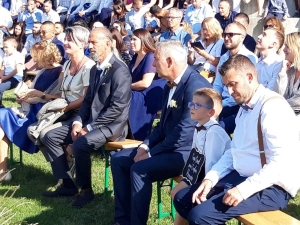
x=212, y=98
x=45, y=54
x=293, y=42
x=213, y=26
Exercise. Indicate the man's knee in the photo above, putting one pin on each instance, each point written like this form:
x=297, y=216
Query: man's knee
x=199, y=215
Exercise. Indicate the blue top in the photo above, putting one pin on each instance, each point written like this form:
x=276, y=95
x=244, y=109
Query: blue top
x=277, y=6
x=144, y=103
x=180, y=34
x=225, y=21
x=14, y=127
x=29, y=19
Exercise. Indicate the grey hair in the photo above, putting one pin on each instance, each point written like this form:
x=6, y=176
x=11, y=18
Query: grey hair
x=78, y=34
x=177, y=11
x=173, y=49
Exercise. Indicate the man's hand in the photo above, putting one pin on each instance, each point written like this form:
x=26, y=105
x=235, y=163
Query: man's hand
x=142, y=157
x=140, y=152
x=75, y=131
x=232, y=197
x=200, y=194
x=83, y=132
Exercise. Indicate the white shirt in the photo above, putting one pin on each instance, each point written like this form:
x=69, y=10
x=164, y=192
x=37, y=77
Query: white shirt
x=61, y=37
x=281, y=144
x=173, y=89
x=5, y=19
x=135, y=20
x=10, y=63
x=212, y=142
x=268, y=70
x=51, y=16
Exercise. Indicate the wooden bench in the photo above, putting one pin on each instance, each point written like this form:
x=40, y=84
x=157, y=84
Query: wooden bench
x=268, y=218
x=114, y=146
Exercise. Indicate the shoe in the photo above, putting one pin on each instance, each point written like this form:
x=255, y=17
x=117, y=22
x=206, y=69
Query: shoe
x=61, y=191
x=83, y=198
x=5, y=176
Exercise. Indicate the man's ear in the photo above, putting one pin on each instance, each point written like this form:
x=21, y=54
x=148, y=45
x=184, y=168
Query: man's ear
x=249, y=77
x=169, y=61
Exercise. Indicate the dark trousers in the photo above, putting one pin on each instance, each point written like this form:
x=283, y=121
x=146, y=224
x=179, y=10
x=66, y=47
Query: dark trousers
x=133, y=182
x=278, y=15
x=82, y=148
x=213, y=211
x=7, y=85
x=104, y=16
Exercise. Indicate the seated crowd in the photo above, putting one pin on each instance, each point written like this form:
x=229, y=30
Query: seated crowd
x=229, y=105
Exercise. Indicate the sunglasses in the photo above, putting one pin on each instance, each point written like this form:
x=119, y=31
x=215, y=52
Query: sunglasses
x=268, y=26
x=196, y=106
x=229, y=35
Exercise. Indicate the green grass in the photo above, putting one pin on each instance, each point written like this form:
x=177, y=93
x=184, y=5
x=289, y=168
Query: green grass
x=35, y=176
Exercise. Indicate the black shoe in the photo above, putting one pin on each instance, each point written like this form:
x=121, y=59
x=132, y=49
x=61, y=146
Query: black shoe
x=61, y=191
x=83, y=197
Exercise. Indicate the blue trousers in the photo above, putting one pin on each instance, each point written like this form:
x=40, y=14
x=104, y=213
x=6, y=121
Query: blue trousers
x=213, y=211
x=133, y=182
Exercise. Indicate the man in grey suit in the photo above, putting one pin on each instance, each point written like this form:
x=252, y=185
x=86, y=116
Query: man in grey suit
x=103, y=116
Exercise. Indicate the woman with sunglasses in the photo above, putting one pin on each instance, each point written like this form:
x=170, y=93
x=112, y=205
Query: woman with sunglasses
x=292, y=73
x=76, y=73
x=207, y=54
x=44, y=87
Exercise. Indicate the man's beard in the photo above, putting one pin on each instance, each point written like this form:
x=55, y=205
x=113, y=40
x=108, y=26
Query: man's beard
x=95, y=56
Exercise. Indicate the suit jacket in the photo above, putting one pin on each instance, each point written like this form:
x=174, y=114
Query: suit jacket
x=175, y=129
x=106, y=105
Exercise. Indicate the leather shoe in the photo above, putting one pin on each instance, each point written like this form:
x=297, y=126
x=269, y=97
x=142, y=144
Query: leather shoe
x=83, y=197
x=61, y=191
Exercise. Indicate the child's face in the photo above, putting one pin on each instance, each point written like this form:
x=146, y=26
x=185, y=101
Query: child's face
x=8, y=48
x=18, y=30
x=201, y=114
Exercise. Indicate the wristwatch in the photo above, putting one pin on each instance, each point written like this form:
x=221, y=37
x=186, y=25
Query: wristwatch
x=43, y=96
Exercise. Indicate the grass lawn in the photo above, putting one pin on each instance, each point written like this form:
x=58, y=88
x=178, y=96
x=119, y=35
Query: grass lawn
x=34, y=177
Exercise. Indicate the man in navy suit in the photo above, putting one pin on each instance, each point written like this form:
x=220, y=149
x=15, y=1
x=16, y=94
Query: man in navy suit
x=163, y=154
x=102, y=117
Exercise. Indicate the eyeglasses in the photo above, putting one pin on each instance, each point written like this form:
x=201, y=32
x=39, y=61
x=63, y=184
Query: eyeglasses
x=196, y=106
x=268, y=26
x=45, y=31
x=229, y=35
x=172, y=17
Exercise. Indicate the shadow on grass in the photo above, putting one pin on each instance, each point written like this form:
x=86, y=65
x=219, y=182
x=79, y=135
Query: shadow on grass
x=293, y=210
x=34, y=181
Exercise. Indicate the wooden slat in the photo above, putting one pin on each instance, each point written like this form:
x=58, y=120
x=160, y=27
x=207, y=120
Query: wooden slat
x=32, y=73
x=128, y=143
x=268, y=218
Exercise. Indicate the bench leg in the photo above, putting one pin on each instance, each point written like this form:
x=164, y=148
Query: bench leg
x=173, y=211
x=160, y=213
x=107, y=192
x=12, y=162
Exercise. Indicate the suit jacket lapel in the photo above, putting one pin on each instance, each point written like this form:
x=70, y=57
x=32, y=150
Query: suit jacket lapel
x=104, y=76
x=178, y=92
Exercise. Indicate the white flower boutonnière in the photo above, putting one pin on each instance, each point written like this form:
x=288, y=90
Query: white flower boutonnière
x=173, y=104
x=107, y=69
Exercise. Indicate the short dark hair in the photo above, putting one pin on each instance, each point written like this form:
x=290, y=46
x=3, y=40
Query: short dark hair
x=243, y=16
x=48, y=23
x=48, y=1
x=80, y=22
x=240, y=63
x=61, y=24
x=155, y=10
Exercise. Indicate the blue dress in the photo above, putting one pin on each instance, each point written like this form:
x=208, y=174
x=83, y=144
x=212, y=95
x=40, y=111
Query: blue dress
x=145, y=103
x=15, y=127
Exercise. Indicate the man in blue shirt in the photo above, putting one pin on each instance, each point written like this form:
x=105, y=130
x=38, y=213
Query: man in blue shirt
x=175, y=32
x=225, y=16
x=31, y=15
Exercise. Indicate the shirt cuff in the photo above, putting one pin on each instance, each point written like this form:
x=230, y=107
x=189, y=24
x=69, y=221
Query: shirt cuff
x=145, y=147
x=213, y=177
x=149, y=154
x=77, y=122
x=89, y=127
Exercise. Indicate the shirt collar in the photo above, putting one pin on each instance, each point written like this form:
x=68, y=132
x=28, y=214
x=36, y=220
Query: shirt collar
x=105, y=62
x=176, y=32
x=211, y=121
x=178, y=78
x=270, y=59
x=259, y=92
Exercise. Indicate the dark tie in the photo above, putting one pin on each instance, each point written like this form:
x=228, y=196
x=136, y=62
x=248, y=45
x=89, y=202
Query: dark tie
x=97, y=78
x=200, y=128
x=171, y=85
x=245, y=107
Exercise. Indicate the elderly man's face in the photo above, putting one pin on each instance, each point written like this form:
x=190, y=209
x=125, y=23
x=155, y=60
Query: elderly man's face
x=161, y=64
x=47, y=32
x=239, y=86
x=173, y=19
x=97, y=45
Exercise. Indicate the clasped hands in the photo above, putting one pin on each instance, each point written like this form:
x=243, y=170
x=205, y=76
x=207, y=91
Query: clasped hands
x=78, y=131
x=231, y=198
x=141, y=155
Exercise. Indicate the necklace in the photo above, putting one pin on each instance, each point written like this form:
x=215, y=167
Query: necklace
x=77, y=66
